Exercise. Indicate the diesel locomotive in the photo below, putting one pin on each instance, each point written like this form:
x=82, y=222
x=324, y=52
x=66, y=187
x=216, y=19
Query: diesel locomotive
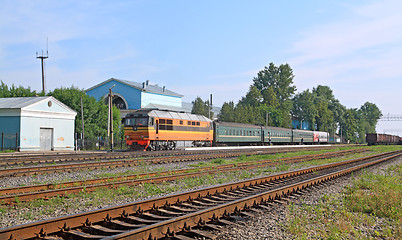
x=153, y=130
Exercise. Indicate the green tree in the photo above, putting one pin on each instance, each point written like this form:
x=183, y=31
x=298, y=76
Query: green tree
x=248, y=114
x=13, y=91
x=252, y=98
x=277, y=80
x=304, y=108
x=349, y=127
x=370, y=113
x=330, y=112
x=227, y=112
x=202, y=108
x=269, y=97
x=324, y=118
x=95, y=112
x=367, y=117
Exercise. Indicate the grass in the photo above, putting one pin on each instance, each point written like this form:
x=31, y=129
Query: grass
x=100, y=197
x=371, y=208
x=378, y=195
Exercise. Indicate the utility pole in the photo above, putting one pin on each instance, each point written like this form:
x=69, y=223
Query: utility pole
x=42, y=58
x=111, y=117
x=267, y=118
x=82, y=120
x=210, y=106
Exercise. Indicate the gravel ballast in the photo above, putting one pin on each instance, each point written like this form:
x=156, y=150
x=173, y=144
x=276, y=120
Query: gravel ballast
x=271, y=224
x=265, y=226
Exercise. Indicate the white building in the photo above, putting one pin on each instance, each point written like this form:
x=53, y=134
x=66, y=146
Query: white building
x=36, y=123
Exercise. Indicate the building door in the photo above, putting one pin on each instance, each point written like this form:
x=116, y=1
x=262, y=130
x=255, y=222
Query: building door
x=46, y=139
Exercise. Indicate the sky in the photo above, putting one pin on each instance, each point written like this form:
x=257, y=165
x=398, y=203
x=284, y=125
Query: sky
x=197, y=48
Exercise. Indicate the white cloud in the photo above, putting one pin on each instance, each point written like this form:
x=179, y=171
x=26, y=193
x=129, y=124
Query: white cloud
x=358, y=57
x=361, y=31
x=221, y=91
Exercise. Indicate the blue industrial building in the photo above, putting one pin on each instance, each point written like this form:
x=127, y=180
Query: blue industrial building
x=36, y=123
x=128, y=95
x=305, y=125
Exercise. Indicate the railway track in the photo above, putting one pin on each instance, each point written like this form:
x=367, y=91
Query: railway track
x=35, y=158
x=35, y=170
x=189, y=214
x=45, y=191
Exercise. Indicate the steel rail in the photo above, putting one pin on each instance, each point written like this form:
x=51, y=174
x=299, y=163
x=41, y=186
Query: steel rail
x=66, y=223
x=26, y=193
x=19, y=159
x=170, y=227
x=26, y=171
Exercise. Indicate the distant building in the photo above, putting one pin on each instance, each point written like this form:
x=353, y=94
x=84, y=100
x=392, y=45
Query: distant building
x=36, y=123
x=297, y=124
x=128, y=95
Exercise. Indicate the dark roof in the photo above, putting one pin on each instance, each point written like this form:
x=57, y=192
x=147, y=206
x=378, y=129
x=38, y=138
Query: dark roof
x=147, y=87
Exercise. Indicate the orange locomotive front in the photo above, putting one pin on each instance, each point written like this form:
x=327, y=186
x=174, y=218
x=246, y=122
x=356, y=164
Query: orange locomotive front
x=154, y=130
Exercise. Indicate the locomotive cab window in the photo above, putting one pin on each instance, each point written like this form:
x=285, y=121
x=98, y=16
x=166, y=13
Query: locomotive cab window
x=136, y=121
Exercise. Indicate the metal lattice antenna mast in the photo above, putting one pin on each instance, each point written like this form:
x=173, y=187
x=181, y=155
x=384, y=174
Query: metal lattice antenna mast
x=42, y=58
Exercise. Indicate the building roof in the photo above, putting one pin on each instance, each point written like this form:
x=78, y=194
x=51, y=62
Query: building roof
x=145, y=87
x=164, y=107
x=19, y=102
x=22, y=102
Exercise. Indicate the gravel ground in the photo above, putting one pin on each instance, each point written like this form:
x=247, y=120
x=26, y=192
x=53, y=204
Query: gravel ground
x=83, y=174
x=269, y=225
x=19, y=215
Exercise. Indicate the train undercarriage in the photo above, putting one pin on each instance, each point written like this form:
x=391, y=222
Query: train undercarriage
x=159, y=145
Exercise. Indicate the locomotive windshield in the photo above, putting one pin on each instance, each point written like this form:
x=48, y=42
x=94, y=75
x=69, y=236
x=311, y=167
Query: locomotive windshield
x=136, y=121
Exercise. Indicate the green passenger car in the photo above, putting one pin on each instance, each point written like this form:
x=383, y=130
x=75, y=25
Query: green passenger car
x=307, y=136
x=228, y=133
x=277, y=135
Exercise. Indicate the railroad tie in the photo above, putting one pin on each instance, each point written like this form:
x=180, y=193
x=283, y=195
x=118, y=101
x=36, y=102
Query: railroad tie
x=106, y=231
x=141, y=220
x=248, y=214
x=155, y=216
x=167, y=212
x=82, y=235
x=181, y=209
x=182, y=237
x=202, y=233
x=225, y=222
x=212, y=227
x=190, y=205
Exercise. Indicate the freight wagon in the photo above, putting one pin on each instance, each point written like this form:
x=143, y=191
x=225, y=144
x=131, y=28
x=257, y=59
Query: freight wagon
x=383, y=139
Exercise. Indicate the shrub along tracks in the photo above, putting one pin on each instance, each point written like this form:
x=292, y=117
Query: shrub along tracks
x=25, y=193
x=188, y=214
x=190, y=156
